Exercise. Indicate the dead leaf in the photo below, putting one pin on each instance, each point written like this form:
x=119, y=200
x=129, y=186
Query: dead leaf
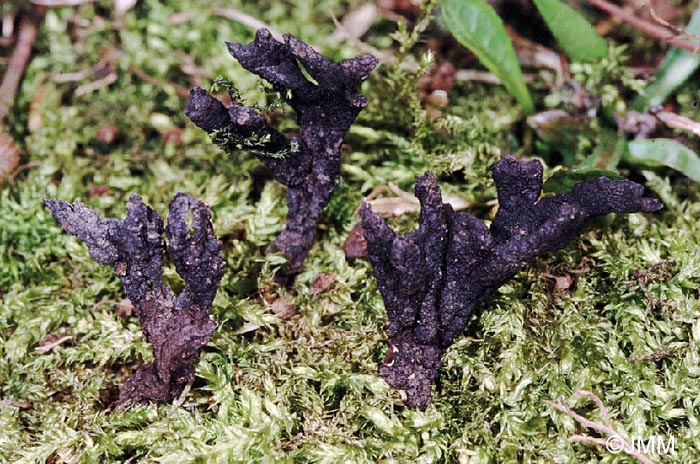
x=107, y=134
x=122, y=6
x=284, y=308
x=397, y=206
x=329, y=309
x=394, y=206
x=355, y=246
x=403, y=202
x=322, y=283
x=562, y=282
x=9, y=156
x=357, y=22
x=246, y=328
x=124, y=308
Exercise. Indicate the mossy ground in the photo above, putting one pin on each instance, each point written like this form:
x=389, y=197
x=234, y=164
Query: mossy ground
x=306, y=389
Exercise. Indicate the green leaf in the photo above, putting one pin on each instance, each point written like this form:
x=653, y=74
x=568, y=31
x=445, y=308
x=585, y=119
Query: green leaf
x=577, y=37
x=673, y=71
x=477, y=26
x=664, y=152
x=565, y=179
x=608, y=153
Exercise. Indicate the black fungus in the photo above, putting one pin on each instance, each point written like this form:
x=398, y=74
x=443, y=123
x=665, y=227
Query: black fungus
x=433, y=278
x=325, y=108
x=176, y=327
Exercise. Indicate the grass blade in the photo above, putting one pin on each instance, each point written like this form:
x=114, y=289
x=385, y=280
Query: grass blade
x=477, y=26
x=577, y=37
x=666, y=152
x=565, y=179
x=673, y=71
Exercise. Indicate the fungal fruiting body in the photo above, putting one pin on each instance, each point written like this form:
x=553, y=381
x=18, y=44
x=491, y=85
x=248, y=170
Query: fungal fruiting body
x=176, y=327
x=325, y=107
x=432, y=279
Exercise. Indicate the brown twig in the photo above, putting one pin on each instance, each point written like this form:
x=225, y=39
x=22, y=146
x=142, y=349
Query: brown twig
x=156, y=82
x=603, y=428
x=21, y=168
x=15, y=404
x=246, y=20
x=656, y=356
x=51, y=346
x=93, y=86
x=676, y=121
x=678, y=30
x=28, y=30
x=647, y=27
x=61, y=3
x=383, y=56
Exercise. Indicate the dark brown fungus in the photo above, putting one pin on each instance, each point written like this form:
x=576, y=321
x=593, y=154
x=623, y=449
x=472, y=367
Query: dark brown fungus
x=325, y=108
x=433, y=278
x=176, y=327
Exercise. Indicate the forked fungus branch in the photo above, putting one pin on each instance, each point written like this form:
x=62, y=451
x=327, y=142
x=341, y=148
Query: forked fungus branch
x=325, y=108
x=177, y=327
x=433, y=278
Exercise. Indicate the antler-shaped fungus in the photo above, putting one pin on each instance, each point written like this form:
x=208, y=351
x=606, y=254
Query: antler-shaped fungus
x=179, y=327
x=309, y=164
x=433, y=278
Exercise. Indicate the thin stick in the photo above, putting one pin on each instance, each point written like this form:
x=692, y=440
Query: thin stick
x=588, y=440
x=15, y=404
x=51, y=346
x=60, y=3
x=245, y=19
x=28, y=30
x=93, y=86
x=382, y=56
x=22, y=167
x=474, y=75
x=678, y=30
x=648, y=28
x=605, y=429
x=593, y=397
x=676, y=121
x=597, y=426
x=659, y=20
x=183, y=92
